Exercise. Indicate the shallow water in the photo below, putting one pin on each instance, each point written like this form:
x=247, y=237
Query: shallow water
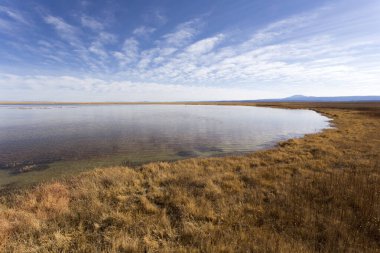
x=43, y=141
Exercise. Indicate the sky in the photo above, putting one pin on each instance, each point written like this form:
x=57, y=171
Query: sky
x=178, y=50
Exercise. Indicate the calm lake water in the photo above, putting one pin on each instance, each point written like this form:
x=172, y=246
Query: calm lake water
x=43, y=141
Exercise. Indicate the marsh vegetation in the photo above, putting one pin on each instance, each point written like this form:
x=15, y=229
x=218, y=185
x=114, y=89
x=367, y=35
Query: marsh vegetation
x=320, y=193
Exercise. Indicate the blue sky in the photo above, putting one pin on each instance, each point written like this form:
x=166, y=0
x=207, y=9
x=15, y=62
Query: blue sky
x=187, y=50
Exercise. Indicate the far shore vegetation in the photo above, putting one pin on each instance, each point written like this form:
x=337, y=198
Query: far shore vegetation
x=320, y=193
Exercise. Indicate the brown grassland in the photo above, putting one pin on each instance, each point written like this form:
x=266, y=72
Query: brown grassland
x=320, y=193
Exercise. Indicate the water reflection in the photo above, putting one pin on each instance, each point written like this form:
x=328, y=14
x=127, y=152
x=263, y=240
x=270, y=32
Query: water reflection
x=37, y=136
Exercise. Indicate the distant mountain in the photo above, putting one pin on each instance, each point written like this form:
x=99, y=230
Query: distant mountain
x=301, y=98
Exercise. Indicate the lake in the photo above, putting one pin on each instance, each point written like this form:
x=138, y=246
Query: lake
x=39, y=142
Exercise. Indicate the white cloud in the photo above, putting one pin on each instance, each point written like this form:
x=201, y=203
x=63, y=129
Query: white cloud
x=107, y=37
x=155, y=17
x=280, y=54
x=130, y=46
x=97, y=46
x=91, y=23
x=312, y=53
x=284, y=27
x=89, y=53
x=13, y=22
x=128, y=53
x=182, y=35
x=143, y=30
x=205, y=45
x=50, y=88
x=165, y=48
x=13, y=14
x=64, y=30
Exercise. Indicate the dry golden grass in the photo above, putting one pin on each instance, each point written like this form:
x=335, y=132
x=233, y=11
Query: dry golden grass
x=320, y=193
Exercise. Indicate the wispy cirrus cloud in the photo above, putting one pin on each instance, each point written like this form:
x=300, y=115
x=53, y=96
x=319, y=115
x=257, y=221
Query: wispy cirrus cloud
x=91, y=23
x=46, y=86
x=13, y=21
x=98, y=45
x=64, y=30
x=182, y=34
x=144, y=30
x=285, y=27
x=89, y=53
x=13, y=14
x=328, y=47
x=128, y=53
x=155, y=16
x=205, y=45
x=279, y=53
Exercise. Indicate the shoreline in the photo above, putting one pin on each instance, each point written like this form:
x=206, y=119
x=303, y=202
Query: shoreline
x=310, y=194
x=22, y=174
x=284, y=105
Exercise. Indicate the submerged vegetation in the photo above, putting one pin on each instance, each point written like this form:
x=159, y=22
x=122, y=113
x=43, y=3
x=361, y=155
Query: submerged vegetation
x=320, y=193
